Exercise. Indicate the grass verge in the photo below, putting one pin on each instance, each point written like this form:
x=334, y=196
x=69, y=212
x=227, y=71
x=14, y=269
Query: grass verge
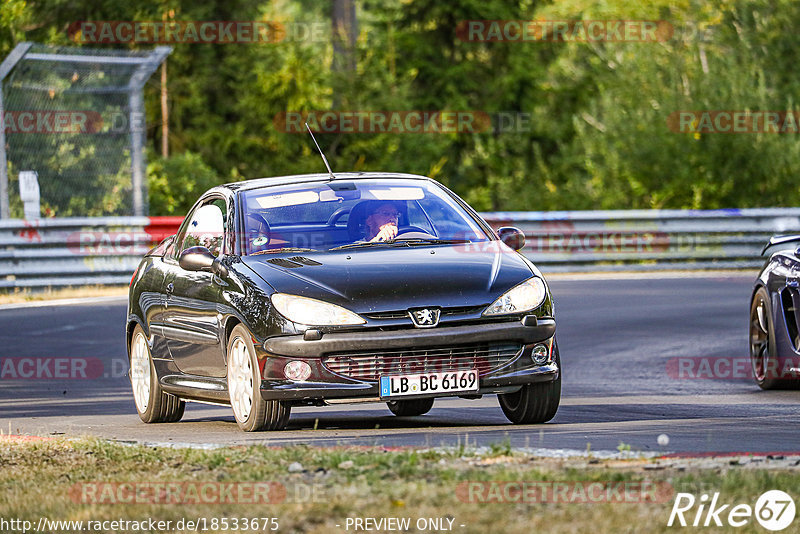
x=313, y=490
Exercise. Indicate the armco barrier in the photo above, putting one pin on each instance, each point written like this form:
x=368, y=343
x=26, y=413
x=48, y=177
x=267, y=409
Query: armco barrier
x=648, y=239
x=77, y=251
x=105, y=251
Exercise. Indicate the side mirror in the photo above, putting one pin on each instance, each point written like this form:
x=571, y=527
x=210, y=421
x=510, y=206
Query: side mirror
x=200, y=259
x=512, y=236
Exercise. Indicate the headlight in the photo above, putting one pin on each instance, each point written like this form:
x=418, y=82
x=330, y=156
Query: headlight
x=521, y=298
x=314, y=312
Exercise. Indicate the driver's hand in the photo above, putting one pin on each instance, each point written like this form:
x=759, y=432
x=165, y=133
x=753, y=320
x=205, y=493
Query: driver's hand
x=387, y=232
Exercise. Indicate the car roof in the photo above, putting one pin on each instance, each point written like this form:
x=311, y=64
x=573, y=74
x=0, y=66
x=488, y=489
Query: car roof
x=256, y=183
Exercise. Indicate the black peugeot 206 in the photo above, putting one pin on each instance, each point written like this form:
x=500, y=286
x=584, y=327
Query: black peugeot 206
x=315, y=290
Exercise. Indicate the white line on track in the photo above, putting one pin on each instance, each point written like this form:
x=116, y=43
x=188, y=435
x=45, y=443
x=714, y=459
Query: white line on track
x=65, y=302
x=756, y=398
x=651, y=275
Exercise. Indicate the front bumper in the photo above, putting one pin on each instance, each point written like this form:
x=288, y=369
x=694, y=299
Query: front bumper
x=325, y=384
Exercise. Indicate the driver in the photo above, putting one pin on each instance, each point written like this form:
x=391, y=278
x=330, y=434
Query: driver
x=381, y=225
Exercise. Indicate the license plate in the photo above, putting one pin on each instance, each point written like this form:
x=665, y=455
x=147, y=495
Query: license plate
x=429, y=383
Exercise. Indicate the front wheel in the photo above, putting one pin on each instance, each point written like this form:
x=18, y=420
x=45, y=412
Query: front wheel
x=252, y=413
x=152, y=403
x=763, y=350
x=534, y=403
x=409, y=408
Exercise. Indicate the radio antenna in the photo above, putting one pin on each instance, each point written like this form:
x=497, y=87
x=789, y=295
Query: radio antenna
x=320, y=152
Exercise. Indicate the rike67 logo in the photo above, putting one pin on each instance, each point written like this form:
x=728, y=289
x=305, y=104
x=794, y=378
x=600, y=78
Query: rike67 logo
x=774, y=510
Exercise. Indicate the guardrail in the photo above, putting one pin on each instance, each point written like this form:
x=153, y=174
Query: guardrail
x=106, y=251
x=77, y=251
x=648, y=239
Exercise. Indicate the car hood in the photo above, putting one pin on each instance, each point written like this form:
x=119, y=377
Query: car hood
x=387, y=279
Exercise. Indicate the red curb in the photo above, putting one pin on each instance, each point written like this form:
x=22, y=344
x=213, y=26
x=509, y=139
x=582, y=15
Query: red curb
x=751, y=454
x=162, y=227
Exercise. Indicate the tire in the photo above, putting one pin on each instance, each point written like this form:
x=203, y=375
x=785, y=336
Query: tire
x=763, y=350
x=410, y=408
x=534, y=403
x=252, y=413
x=152, y=403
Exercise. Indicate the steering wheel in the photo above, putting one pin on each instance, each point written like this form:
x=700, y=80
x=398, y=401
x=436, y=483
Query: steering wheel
x=259, y=241
x=409, y=228
x=338, y=214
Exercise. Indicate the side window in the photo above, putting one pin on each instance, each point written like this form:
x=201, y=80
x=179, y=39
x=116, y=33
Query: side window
x=207, y=227
x=416, y=217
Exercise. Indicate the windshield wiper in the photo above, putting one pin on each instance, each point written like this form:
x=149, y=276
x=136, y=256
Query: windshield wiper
x=360, y=244
x=285, y=249
x=432, y=240
x=399, y=241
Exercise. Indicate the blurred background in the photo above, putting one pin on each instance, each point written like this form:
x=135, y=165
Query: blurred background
x=594, y=132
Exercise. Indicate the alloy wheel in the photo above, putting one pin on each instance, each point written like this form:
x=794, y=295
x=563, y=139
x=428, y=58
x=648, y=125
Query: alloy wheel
x=759, y=340
x=240, y=380
x=140, y=372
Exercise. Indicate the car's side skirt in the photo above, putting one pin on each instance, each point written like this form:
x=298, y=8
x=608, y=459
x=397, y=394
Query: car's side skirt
x=190, y=387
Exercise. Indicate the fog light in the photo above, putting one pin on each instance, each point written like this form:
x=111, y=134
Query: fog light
x=540, y=354
x=297, y=370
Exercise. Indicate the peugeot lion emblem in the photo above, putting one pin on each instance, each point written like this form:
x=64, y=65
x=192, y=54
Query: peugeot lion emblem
x=425, y=317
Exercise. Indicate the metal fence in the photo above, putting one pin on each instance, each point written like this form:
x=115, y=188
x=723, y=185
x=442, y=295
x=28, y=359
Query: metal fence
x=75, y=117
x=77, y=251
x=648, y=239
x=81, y=251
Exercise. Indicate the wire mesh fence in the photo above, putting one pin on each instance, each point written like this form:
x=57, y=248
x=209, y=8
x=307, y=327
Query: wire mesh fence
x=75, y=116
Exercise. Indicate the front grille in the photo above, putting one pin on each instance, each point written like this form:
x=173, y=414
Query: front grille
x=403, y=314
x=464, y=310
x=484, y=357
x=387, y=315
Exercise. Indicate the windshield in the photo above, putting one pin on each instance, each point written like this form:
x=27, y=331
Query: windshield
x=324, y=216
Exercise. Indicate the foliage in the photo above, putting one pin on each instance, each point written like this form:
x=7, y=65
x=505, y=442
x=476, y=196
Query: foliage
x=174, y=183
x=597, y=137
x=724, y=56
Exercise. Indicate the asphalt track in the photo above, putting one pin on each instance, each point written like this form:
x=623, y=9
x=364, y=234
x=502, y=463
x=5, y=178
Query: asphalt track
x=619, y=341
